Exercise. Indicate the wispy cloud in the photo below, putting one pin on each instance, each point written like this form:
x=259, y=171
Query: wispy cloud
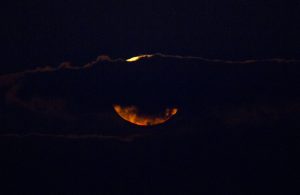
x=128, y=138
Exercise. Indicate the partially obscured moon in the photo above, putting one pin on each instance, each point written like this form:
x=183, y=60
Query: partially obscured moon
x=133, y=115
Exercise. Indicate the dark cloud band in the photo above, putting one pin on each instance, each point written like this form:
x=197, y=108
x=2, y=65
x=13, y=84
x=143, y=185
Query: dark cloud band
x=81, y=97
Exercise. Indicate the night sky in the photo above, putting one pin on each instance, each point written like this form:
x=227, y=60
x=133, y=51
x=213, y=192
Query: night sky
x=49, y=32
x=232, y=68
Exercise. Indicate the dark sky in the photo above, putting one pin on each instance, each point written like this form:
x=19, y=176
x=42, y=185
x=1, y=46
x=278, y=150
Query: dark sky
x=50, y=32
x=237, y=126
x=236, y=129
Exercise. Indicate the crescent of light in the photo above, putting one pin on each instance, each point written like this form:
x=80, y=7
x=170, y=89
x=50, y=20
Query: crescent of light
x=136, y=58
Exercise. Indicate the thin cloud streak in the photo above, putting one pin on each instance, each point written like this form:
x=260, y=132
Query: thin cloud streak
x=129, y=138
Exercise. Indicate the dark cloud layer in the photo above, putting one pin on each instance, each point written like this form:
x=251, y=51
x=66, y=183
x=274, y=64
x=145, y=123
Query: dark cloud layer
x=68, y=99
x=236, y=130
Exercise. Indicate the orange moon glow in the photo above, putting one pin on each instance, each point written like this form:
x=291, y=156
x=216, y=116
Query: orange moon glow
x=132, y=115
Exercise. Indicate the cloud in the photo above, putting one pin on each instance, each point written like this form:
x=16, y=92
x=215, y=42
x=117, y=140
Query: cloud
x=72, y=98
x=121, y=138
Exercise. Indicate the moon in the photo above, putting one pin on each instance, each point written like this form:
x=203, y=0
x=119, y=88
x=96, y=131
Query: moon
x=134, y=115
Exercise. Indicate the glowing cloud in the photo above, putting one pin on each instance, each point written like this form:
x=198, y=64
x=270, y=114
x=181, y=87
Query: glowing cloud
x=136, y=58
